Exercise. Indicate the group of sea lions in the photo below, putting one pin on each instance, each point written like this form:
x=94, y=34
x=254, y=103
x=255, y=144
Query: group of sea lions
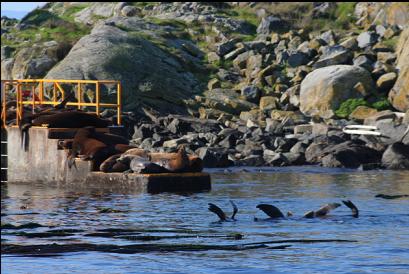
x=274, y=213
x=58, y=116
x=112, y=153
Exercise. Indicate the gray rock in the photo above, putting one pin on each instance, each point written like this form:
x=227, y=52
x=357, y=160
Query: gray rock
x=328, y=37
x=364, y=61
x=396, y=156
x=333, y=55
x=300, y=147
x=380, y=30
x=251, y=93
x=214, y=157
x=323, y=90
x=111, y=53
x=269, y=24
x=226, y=47
x=129, y=11
x=349, y=154
x=297, y=58
x=366, y=39
x=252, y=160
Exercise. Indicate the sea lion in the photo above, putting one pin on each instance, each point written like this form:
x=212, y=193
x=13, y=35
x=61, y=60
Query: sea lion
x=143, y=165
x=136, y=151
x=70, y=119
x=354, y=209
x=195, y=164
x=220, y=213
x=112, y=165
x=174, y=162
x=324, y=210
x=107, y=138
x=88, y=148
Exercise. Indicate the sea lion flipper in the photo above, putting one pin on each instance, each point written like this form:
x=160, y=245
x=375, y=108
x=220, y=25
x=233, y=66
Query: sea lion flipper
x=235, y=209
x=271, y=210
x=218, y=211
x=354, y=209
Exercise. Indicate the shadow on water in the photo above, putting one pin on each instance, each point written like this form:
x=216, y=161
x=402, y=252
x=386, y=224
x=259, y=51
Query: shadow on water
x=60, y=230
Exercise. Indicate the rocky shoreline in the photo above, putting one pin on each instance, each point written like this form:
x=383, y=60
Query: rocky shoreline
x=282, y=143
x=246, y=83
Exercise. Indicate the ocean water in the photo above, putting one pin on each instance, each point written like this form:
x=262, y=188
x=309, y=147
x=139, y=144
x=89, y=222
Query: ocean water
x=377, y=241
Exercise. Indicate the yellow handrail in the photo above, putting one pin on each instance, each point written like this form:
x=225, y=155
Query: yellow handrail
x=32, y=84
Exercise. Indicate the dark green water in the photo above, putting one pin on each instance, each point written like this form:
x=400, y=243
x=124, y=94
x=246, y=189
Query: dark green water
x=381, y=232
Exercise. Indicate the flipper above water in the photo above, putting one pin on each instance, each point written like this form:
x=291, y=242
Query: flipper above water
x=322, y=211
x=271, y=211
x=354, y=209
x=235, y=209
x=218, y=211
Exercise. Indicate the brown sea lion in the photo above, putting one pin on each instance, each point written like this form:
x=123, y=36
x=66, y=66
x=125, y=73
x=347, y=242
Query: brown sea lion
x=195, y=164
x=136, y=151
x=107, y=138
x=112, y=165
x=143, y=165
x=88, y=148
x=174, y=162
x=324, y=210
x=70, y=119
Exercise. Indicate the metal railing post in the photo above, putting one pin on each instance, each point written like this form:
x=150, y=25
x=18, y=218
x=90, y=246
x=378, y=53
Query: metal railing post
x=97, y=98
x=119, y=103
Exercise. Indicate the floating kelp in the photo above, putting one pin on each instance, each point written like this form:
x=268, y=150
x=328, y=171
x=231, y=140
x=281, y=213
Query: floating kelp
x=23, y=226
x=123, y=249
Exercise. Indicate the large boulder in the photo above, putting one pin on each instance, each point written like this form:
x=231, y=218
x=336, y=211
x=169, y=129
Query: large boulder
x=324, y=89
x=349, y=154
x=396, y=156
x=117, y=49
x=399, y=94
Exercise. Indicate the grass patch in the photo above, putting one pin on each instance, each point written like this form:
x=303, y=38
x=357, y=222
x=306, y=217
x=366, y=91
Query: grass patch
x=70, y=11
x=391, y=42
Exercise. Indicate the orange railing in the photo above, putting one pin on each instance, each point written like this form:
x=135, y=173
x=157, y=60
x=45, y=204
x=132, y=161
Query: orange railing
x=32, y=92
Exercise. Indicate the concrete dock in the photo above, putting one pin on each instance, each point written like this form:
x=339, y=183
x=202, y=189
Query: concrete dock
x=46, y=163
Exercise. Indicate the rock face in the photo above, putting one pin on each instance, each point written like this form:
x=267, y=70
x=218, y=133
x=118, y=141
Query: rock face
x=150, y=76
x=324, y=89
x=399, y=94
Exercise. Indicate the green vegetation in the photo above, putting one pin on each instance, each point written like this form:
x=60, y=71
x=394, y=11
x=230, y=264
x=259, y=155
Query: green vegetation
x=391, y=42
x=69, y=12
x=349, y=106
x=344, y=13
x=245, y=13
x=45, y=26
x=38, y=16
x=382, y=104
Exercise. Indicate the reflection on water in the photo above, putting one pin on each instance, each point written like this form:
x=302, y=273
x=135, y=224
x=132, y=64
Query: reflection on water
x=381, y=231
